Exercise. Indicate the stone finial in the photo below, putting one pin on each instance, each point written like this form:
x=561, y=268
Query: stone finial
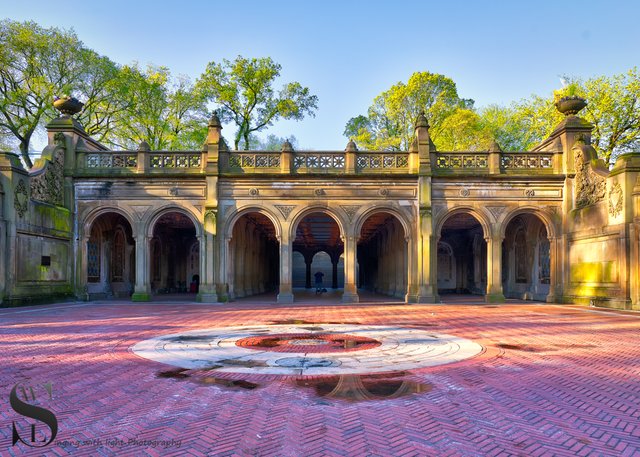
x=570, y=105
x=286, y=146
x=67, y=105
x=144, y=146
x=351, y=146
x=421, y=120
x=215, y=121
x=494, y=146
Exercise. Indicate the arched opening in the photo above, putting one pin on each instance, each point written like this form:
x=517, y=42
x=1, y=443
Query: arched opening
x=174, y=255
x=382, y=256
x=110, y=257
x=526, y=259
x=317, y=253
x=254, y=263
x=303, y=276
x=462, y=256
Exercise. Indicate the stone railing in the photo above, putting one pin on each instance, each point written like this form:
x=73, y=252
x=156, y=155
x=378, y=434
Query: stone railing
x=519, y=160
x=372, y=162
x=462, y=160
x=254, y=161
x=492, y=162
x=124, y=159
x=180, y=159
x=318, y=162
x=311, y=162
x=141, y=161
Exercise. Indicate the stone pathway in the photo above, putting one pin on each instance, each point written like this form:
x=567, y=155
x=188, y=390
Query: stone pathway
x=550, y=380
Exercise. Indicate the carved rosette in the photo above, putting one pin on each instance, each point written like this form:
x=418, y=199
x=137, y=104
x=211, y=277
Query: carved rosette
x=21, y=201
x=615, y=200
x=590, y=187
x=47, y=186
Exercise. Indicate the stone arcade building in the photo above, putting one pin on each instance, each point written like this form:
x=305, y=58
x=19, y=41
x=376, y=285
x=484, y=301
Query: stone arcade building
x=549, y=224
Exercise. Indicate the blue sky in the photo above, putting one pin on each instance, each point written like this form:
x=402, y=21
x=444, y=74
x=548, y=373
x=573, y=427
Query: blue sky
x=347, y=52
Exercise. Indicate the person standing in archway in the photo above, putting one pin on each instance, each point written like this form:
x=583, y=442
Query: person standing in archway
x=319, y=275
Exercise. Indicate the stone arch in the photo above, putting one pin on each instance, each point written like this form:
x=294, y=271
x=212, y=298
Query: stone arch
x=107, y=253
x=90, y=218
x=544, y=216
x=295, y=221
x=362, y=218
x=234, y=217
x=528, y=256
x=481, y=217
x=250, y=254
x=382, y=254
x=155, y=216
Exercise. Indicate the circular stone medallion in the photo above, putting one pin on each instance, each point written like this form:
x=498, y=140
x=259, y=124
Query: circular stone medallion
x=332, y=350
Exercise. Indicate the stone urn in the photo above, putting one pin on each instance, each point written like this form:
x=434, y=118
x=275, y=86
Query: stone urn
x=68, y=105
x=571, y=105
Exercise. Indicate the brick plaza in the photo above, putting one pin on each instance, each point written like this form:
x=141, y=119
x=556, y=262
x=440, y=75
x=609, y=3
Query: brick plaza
x=552, y=380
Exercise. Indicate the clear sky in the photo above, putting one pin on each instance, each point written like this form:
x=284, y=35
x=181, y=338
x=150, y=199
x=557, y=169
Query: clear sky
x=347, y=52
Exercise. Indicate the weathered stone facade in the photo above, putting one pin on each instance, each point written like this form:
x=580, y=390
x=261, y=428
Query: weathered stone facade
x=548, y=224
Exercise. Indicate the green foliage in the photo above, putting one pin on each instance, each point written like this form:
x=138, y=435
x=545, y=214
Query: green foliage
x=389, y=124
x=243, y=89
x=613, y=109
x=271, y=142
x=34, y=64
x=165, y=112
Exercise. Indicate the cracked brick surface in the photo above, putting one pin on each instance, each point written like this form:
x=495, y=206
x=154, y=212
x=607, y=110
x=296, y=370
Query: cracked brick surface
x=554, y=380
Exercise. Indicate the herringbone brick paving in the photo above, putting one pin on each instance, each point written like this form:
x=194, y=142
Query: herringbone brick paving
x=553, y=381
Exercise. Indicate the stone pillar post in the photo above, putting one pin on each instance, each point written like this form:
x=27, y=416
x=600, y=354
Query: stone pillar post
x=307, y=275
x=555, y=282
x=334, y=271
x=285, y=294
x=207, y=289
x=494, y=269
x=240, y=242
x=142, y=289
x=350, y=294
x=250, y=261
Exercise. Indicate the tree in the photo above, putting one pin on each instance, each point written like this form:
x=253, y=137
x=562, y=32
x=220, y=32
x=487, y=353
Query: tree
x=243, y=89
x=34, y=64
x=167, y=113
x=271, y=142
x=613, y=109
x=37, y=64
x=389, y=124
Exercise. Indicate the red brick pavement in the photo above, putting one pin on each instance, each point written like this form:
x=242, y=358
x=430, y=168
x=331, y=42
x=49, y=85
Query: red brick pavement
x=554, y=380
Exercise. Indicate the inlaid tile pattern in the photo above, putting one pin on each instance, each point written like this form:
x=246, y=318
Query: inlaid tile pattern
x=400, y=349
x=553, y=381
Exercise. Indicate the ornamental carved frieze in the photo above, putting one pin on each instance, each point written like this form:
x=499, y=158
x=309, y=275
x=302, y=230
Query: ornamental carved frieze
x=48, y=185
x=615, y=200
x=350, y=210
x=590, y=187
x=285, y=210
x=496, y=211
x=21, y=200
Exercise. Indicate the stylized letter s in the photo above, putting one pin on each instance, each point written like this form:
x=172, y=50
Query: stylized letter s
x=34, y=412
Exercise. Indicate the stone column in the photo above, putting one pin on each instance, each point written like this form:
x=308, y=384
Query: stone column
x=285, y=293
x=250, y=260
x=207, y=289
x=307, y=274
x=554, y=279
x=350, y=294
x=3, y=250
x=334, y=271
x=494, y=269
x=239, y=251
x=142, y=289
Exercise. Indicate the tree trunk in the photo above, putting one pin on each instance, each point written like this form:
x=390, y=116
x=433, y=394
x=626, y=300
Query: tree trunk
x=24, y=151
